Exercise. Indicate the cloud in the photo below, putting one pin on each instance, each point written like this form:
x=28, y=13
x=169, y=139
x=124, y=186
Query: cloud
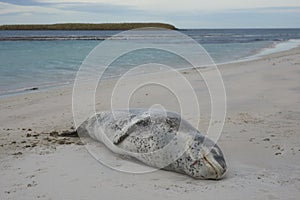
x=159, y=6
x=16, y=14
x=23, y=2
x=186, y=5
x=71, y=12
x=283, y=9
x=99, y=8
x=278, y=17
x=183, y=14
x=15, y=6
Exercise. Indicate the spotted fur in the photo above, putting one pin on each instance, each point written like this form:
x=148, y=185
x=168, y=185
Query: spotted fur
x=158, y=139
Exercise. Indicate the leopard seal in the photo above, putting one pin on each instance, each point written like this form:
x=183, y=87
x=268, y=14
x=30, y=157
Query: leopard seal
x=157, y=138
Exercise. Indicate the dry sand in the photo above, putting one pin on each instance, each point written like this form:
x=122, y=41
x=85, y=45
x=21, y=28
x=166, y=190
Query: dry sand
x=260, y=140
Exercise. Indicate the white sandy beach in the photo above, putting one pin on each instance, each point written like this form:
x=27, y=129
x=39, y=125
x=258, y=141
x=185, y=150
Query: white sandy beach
x=260, y=140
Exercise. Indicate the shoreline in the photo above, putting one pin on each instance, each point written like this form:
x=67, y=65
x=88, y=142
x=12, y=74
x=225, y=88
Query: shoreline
x=40, y=88
x=260, y=139
x=265, y=52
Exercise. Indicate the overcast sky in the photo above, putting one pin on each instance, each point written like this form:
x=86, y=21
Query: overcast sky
x=181, y=13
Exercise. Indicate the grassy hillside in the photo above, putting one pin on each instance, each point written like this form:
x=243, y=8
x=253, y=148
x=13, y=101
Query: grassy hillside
x=84, y=26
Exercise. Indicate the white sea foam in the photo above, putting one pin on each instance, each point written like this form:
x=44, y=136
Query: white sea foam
x=278, y=47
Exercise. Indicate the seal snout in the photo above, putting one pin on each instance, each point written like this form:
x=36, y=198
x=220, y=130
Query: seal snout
x=216, y=164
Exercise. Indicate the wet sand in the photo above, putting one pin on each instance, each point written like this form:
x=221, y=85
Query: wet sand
x=260, y=140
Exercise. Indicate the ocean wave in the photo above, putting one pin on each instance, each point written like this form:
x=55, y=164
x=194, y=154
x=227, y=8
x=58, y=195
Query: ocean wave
x=275, y=47
x=26, y=65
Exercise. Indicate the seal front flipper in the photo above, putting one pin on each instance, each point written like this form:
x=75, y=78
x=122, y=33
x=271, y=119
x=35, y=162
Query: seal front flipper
x=129, y=128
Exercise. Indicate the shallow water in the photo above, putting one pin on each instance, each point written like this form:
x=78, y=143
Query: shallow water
x=52, y=58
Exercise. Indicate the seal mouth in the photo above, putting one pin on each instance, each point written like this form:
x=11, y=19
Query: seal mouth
x=212, y=167
x=219, y=169
x=213, y=158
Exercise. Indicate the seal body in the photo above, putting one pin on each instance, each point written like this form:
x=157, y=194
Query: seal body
x=158, y=138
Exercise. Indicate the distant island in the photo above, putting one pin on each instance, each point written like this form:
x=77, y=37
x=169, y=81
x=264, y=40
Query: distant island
x=86, y=26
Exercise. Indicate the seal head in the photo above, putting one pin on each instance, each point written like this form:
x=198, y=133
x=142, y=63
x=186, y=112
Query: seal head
x=203, y=159
x=209, y=164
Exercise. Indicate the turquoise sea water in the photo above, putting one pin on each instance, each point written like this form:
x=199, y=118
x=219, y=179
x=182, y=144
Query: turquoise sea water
x=51, y=58
x=26, y=64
